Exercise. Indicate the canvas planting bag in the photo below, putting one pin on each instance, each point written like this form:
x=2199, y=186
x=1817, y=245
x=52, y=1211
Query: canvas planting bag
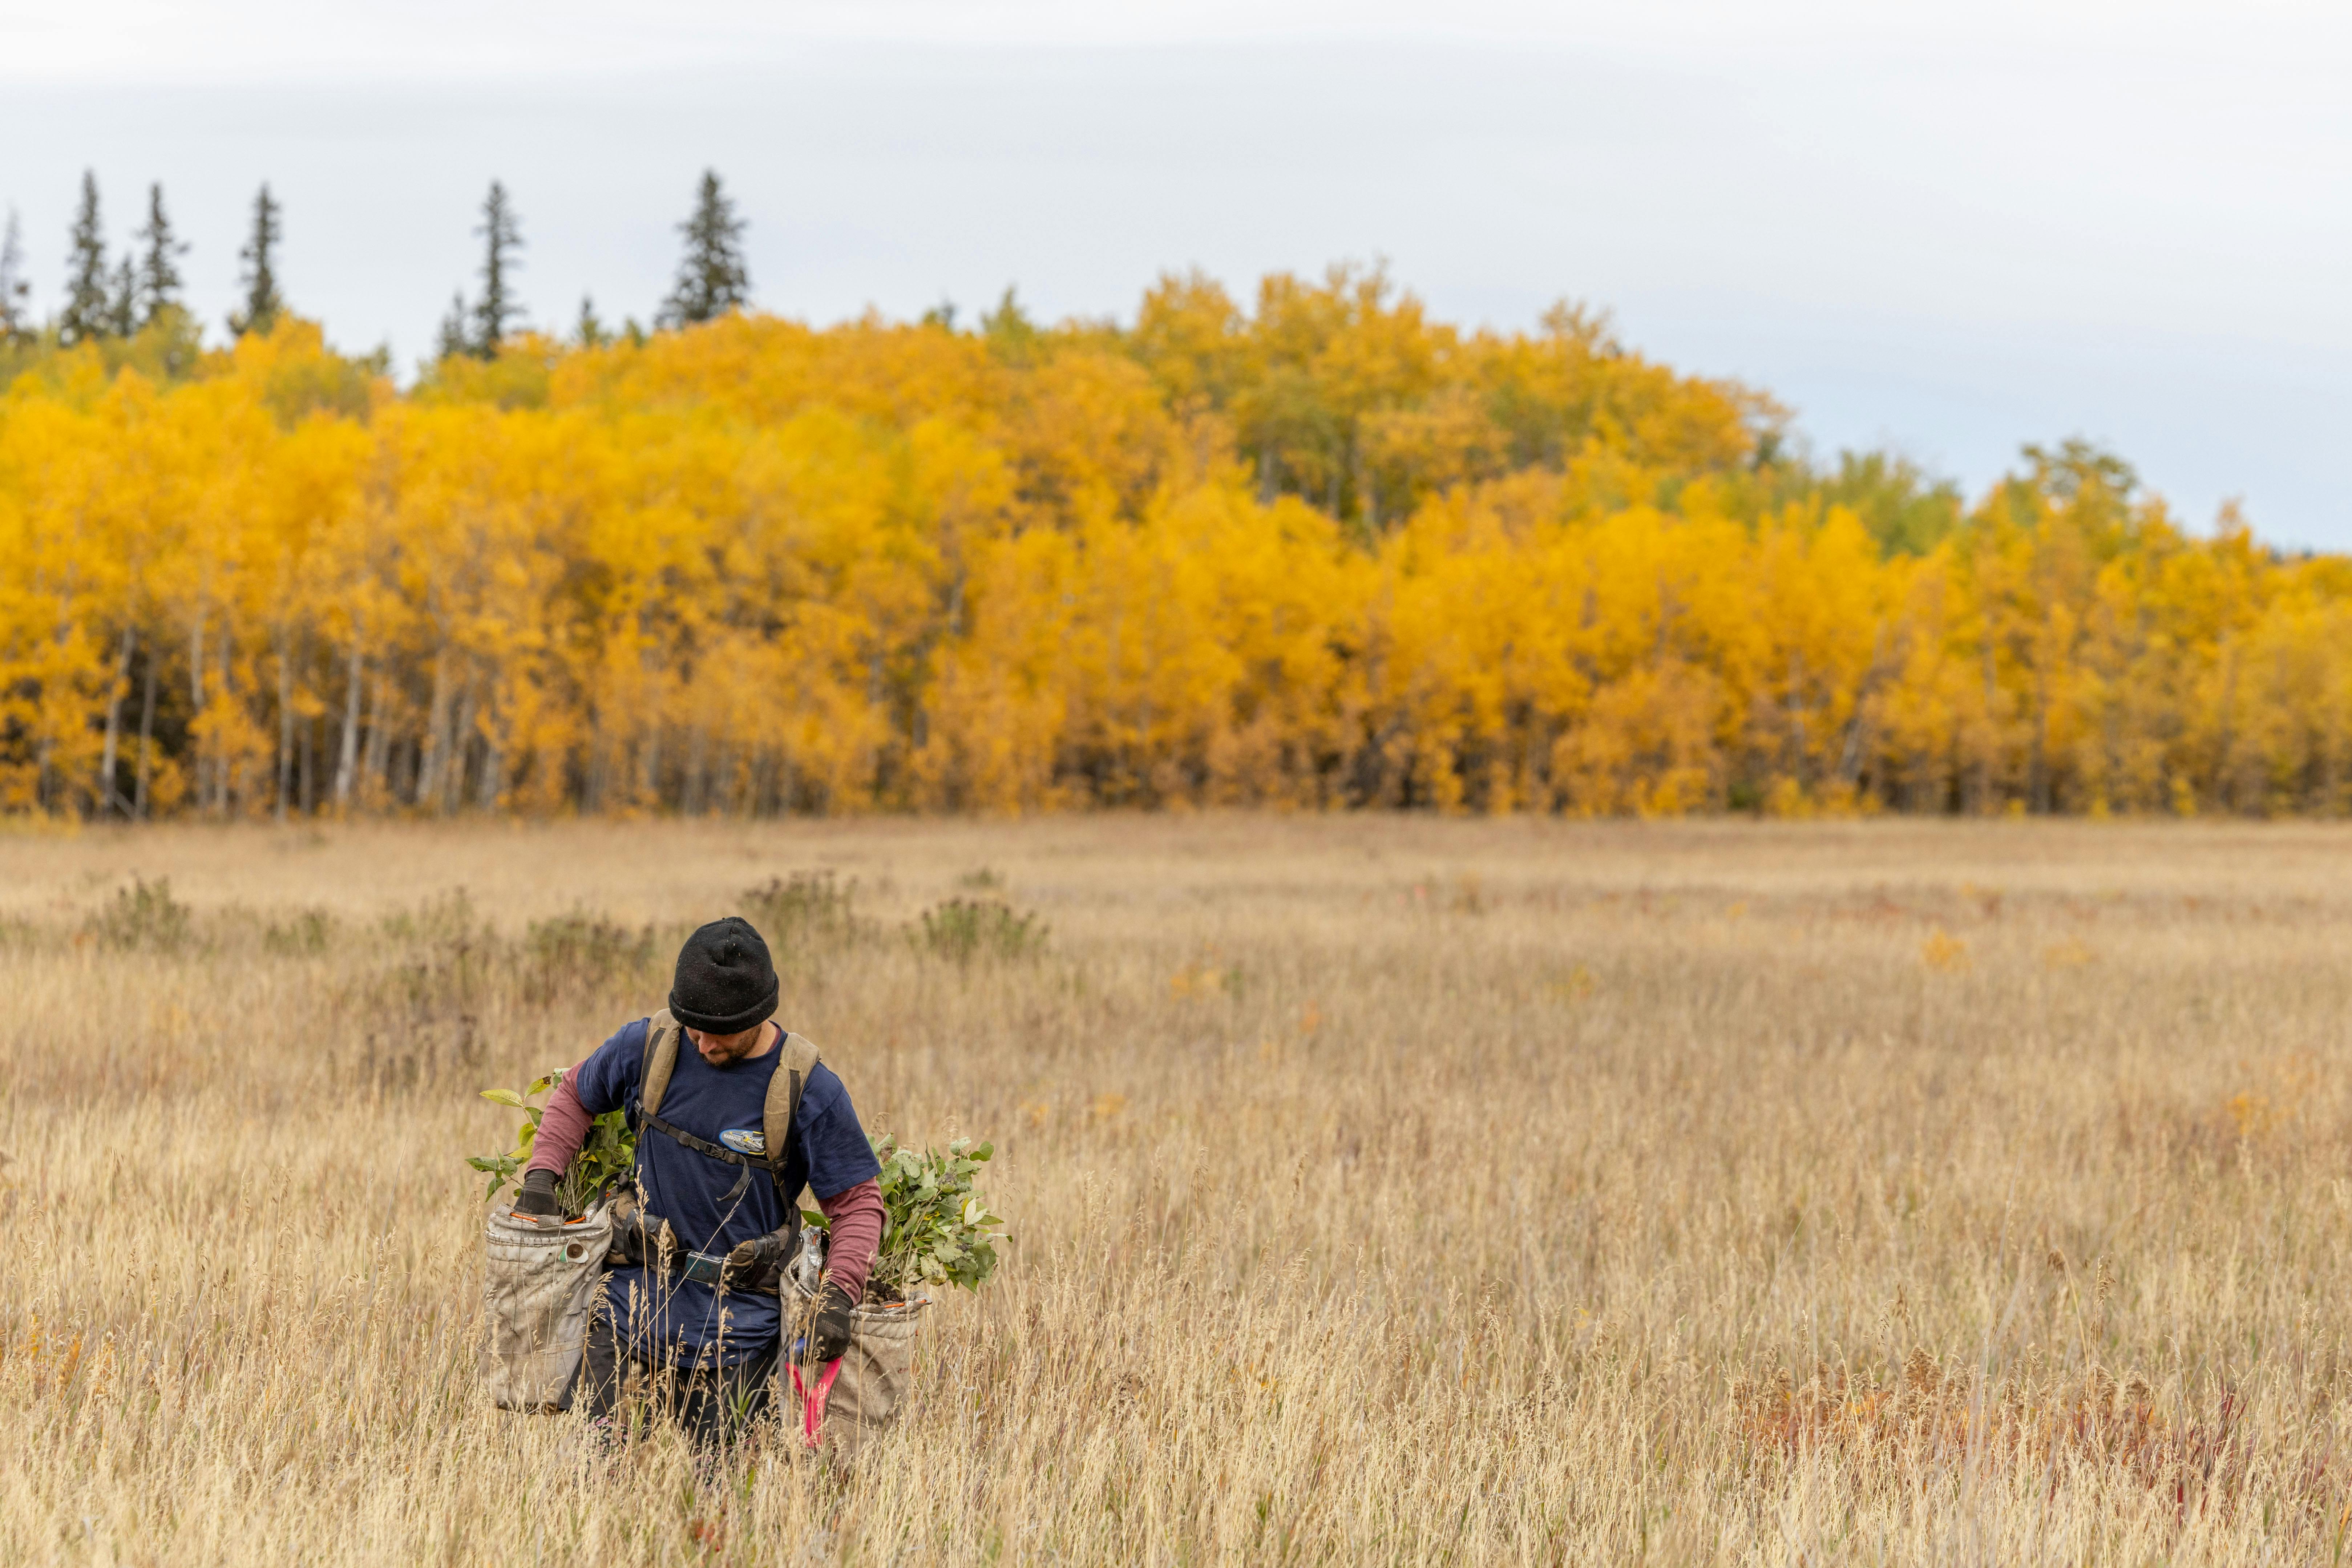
x=537, y=1284
x=870, y=1390
x=874, y=1372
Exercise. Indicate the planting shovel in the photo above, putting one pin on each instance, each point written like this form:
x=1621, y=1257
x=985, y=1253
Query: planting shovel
x=813, y=1398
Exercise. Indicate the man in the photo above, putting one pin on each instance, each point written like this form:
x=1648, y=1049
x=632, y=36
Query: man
x=693, y=1316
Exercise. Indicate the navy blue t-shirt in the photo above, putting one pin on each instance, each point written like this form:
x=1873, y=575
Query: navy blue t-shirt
x=683, y=1321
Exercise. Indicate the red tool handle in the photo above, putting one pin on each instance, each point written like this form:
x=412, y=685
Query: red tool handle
x=813, y=1399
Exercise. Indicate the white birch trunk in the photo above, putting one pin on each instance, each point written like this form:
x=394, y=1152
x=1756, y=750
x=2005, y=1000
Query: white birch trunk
x=146, y=741
x=347, y=757
x=107, y=795
x=374, y=788
x=493, y=781
x=461, y=740
x=284, y=717
x=436, y=738
x=225, y=774
x=196, y=705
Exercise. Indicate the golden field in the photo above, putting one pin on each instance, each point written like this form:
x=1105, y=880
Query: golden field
x=1381, y=1190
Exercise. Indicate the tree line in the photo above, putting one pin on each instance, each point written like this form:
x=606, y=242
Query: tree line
x=141, y=291
x=1306, y=547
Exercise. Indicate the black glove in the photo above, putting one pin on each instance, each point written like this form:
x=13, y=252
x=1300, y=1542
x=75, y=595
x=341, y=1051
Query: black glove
x=537, y=1198
x=628, y=1229
x=829, y=1325
x=751, y=1259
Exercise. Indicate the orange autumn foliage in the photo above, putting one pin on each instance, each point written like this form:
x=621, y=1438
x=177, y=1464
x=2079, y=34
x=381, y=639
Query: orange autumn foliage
x=1324, y=552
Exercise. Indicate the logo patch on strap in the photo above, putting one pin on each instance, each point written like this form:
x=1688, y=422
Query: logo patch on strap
x=746, y=1141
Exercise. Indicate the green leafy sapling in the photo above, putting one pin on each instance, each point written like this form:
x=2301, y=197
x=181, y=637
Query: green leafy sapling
x=936, y=1230
x=609, y=1155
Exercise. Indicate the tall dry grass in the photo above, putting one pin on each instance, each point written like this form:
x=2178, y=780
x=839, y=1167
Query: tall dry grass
x=1383, y=1191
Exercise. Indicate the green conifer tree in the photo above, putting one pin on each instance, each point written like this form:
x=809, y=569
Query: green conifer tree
x=1012, y=336
x=454, y=336
x=122, y=306
x=87, y=306
x=159, y=281
x=263, y=303
x=593, y=334
x=711, y=276
x=501, y=233
x=15, y=290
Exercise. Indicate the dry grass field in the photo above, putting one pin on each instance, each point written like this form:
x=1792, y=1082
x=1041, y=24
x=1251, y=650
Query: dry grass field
x=1382, y=1190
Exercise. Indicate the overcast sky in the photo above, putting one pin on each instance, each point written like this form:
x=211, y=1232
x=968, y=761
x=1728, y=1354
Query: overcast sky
x=1948, y=228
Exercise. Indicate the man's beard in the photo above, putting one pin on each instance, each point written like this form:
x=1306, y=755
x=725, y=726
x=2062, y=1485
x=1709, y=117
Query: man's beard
x=736, y=1052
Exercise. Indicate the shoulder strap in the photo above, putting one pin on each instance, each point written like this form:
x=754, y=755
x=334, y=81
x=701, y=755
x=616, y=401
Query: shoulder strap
x=661, y=1060
x=780, y=1118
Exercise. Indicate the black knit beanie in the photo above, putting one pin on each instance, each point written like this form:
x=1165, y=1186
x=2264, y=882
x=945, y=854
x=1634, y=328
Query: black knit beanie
x=726, y=981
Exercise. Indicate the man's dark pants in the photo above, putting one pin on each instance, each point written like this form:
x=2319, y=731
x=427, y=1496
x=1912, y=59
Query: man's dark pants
x=715, y=1406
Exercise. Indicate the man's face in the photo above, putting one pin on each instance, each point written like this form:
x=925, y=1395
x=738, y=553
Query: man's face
x=723, y=1050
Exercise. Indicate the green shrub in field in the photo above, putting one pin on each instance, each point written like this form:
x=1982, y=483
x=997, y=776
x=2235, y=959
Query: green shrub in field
x=142, y=917
x=805, y=910
x=583, y=952
x=441, y=960
x=305, y=931
x=446, y=921
x=963, y=930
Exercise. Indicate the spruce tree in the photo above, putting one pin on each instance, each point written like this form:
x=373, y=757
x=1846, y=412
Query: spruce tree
x=86, y=305
x=453, y=338
x=262, y=301
x=501, y=233
x=159, y=268
x=593, y=334
x=16, y=317
x=711, y=276
x=123, y=309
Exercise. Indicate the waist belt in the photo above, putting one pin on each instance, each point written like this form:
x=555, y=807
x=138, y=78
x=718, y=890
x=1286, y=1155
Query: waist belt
x=703, y=1267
